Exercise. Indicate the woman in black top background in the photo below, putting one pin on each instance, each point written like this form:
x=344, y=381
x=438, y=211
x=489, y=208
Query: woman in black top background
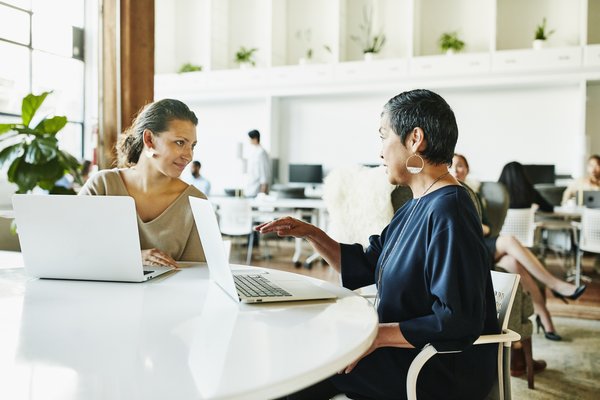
x=520, y=190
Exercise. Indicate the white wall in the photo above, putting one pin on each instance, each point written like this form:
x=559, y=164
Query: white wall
x=536, y=125
x=529, y=125
x=221, y=127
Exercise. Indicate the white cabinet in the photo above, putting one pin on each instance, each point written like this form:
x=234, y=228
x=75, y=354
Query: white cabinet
x=445, y=65
x=537, y=60
x=591, y=56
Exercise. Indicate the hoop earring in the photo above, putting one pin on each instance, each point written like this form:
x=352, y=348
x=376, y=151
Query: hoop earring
x=149, y=153
x=415, y=170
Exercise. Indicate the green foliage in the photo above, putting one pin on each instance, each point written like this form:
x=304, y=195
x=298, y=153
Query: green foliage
x=32, y=153
x=245, y=55
x=540, y=31
x=369, y=42
x=450, y=40
x=187, y=67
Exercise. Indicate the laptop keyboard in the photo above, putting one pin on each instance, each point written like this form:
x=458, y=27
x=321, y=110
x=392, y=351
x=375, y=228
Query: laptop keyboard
x=257, y=286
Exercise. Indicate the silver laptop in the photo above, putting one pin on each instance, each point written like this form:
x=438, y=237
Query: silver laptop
x=81, y=237
x=244, y=285
x=591, y=198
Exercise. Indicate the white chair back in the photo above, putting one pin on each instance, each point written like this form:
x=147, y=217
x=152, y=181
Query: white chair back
x=520, y=223
x=590, y=230
x=505, y=288
x=235, y=217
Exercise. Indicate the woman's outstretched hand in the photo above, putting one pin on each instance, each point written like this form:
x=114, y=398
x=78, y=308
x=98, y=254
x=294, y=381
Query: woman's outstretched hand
x=287, y=226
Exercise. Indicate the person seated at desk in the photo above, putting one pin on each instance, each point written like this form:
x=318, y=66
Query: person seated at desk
x=430, y=266
x=507, y=252
x=153, y=152
x=590, y=182
x=195, y=178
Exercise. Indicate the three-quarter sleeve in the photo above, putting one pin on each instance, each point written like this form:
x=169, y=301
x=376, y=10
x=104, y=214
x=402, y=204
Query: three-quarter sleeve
x=358, y=265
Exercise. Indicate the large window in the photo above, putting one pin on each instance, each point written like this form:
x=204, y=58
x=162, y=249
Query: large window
x=41, y=48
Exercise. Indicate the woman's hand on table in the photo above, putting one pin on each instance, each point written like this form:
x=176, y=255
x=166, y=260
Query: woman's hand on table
x=156, y=257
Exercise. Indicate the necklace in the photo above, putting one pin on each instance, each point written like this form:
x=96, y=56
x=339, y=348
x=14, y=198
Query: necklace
x=386, y=255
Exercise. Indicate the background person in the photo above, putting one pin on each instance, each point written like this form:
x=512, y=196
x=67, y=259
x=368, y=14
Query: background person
x=195, y=178
x=507, y=252
x=589, y=182
x=259, y=167
x=430, y=266
x=152, y=154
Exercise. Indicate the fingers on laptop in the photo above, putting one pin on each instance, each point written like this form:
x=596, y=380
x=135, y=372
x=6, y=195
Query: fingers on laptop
x=157, y=257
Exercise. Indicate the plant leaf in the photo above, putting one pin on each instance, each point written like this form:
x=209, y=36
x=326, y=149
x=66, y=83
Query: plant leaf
x=31, y=103
x=41, y=150
x=6, y=128
x=71, y=165
x=22, y=174
x=10, y=152
x=51, y=125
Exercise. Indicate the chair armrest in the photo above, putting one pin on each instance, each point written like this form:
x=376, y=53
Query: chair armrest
x=507, y=336
x=429, y=351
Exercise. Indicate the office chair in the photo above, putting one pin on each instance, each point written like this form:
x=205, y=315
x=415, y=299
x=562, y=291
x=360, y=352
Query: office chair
x=505, y=286
x=235, y=219
x=588, y=238
x=496, y=201
x=520, y=223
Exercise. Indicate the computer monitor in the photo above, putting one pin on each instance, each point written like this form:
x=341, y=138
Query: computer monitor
x=540, y=173
x=306, y=173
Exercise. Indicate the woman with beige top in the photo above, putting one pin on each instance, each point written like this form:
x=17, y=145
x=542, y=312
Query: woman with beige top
x=590, y=182
x=152, y=154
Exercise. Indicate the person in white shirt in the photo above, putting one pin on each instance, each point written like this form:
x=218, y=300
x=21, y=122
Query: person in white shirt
x=196, y=179
x=259, y=167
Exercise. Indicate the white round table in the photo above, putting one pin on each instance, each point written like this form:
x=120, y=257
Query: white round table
x=178, y=337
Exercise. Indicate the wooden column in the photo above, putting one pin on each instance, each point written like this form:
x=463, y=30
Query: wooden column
x=127, y=69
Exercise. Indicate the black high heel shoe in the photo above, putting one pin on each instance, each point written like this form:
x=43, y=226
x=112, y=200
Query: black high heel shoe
x=576, y=294
x=548, y=335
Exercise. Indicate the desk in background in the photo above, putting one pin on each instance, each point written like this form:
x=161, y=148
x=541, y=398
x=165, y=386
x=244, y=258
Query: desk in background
x=270, y=207
x=178, y=337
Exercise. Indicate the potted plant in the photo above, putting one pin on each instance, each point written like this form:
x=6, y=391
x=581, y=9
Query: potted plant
x=371, y=44
x=450, y=43
x=32, y=152
x=189, y=67
x=541, y=35
x=245, y=57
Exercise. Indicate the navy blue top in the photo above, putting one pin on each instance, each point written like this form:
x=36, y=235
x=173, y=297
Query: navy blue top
x=436, y=282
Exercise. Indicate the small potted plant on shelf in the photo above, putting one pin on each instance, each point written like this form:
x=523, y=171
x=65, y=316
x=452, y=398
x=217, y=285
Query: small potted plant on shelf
x=371, y=44
x=188, y=67
x=304, y=36
x=541, y=35
x=450, y=43
x=245, y=57
x=31, y=150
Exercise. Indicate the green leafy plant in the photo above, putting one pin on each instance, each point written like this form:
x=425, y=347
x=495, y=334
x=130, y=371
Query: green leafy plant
x=450, y=41
x=245, y=55
x=540, y=31
x=188, y=67
x=33, y=153
x=369, y=42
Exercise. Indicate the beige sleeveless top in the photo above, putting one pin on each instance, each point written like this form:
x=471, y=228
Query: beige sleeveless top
x=173, y=231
